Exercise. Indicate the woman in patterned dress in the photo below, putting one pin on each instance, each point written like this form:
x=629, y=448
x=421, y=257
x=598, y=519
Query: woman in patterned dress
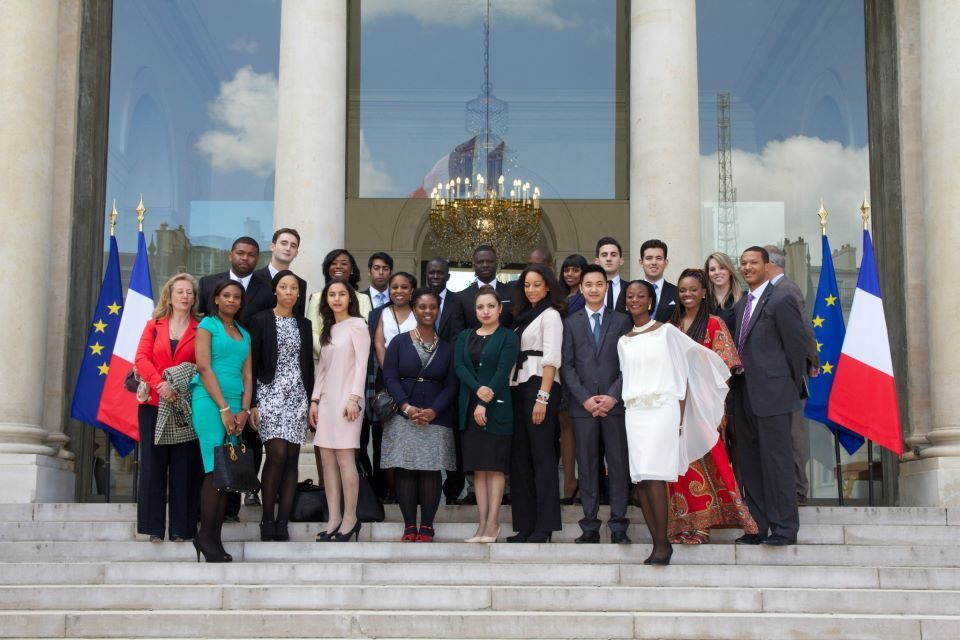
x=282, y=358
x=706, y=496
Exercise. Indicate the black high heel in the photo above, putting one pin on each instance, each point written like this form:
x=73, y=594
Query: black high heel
x=540, y=536
x=281, y=533
x=268, y=531
x=345, y=537
x=660, y=560
x=209, y=556
x=324, y=536
x=572, y=498
x=520, y=536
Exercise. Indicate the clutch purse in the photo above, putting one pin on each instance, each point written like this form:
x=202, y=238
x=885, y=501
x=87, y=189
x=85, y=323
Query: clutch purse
x=234, y=469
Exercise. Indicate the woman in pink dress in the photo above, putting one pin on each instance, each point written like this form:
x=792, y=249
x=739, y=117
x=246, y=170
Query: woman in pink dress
x=335, y=405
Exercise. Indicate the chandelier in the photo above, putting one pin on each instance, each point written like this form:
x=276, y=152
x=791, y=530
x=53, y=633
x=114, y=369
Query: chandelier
x=464, y=216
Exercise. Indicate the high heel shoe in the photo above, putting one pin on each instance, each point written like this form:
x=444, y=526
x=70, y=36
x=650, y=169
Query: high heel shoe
x=268, y=531
x=345, y=537
x=489, y=539
x=324, y=536
x=663, y=559
x=409, y=533
x=540, y=536
x=572, y=498
x=281, y=533
x=521, y=536
x=426, y=533
x=209, y=556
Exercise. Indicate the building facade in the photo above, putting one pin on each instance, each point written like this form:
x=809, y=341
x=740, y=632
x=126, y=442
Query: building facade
x=710, y=125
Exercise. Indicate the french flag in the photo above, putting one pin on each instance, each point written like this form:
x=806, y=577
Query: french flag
x=864, y=394
x=118, y=407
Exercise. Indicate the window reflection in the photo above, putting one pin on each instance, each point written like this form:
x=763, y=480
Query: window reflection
x=795, y=75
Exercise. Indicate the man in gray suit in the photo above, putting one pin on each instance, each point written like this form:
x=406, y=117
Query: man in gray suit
x=590, y=371
x=770, y=338
x=776, y=273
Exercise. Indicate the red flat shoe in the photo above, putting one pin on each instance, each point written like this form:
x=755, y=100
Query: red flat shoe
x=409, y=534
x=426, y=534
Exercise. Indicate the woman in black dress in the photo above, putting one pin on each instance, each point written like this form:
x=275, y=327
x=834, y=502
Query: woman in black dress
x=484, y=359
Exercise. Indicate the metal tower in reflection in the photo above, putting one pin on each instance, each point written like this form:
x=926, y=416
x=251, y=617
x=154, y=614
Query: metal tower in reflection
x=726, y=192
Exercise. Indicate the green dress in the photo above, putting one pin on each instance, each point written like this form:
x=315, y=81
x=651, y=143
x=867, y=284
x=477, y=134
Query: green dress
x=227, y=356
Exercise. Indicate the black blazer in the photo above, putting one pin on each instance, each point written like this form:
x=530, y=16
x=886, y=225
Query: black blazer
x=589, y=370
x=452, y=318
x=263, y=350
x=257, y=288
x=437, y=385
x=667, y=303
x=469, y=295
x=264, y=299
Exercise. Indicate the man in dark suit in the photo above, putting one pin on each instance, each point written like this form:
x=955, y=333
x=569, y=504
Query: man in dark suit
x=284, y=247
x=243, y=258
x=653, y=260
x=776, y=273
x=450, y=322
x=610, y=257
x=770, y=338
x=591, y=374
x=485, y=269
x=379, y=268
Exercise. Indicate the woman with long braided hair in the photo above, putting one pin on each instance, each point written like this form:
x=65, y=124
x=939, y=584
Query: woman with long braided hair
x=706, y=496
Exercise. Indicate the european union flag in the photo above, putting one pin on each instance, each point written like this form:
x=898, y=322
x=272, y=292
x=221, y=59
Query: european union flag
x=828, y=328
x=98, y=351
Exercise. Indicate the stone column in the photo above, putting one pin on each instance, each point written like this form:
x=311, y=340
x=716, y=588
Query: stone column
x=935, y=478
x=28, y=76
x=664, y=132
x=311, y=129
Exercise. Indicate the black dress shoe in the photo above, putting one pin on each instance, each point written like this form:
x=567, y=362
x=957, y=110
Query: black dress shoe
x=620, y=537
x=777, y=540
x=231, y=518
x=519, y=537
x=588, y=537
x=749, y=538
x=252, y=499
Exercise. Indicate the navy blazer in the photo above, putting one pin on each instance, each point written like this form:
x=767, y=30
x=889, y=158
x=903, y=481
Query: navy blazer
x=589, y=370
x=437, y=386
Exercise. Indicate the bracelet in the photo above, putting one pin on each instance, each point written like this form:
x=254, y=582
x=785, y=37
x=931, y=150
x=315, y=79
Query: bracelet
x=315, y=401
x=543, y=394
x=541, y=401
x=225, y=409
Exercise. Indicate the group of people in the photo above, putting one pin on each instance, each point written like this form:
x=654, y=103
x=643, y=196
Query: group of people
x=628, y=383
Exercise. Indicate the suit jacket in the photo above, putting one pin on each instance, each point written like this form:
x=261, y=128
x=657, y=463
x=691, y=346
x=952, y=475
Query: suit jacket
x=153, y=353
x=452, y=318
x=773, y=352
x=366, y=292
x=264, y=351
x=496, y=361
x=791, y=287
x=469, y=295
x=433, y=387
x=257, y=289
x=667, y=302
x=589, y=370
x=264, y=299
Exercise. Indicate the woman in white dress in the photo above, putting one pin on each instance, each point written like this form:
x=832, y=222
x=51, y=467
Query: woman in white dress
x=673, y=391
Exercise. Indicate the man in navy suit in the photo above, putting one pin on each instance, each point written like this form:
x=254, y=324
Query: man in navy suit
x=243, y=257
x=653, y=260
x=590, y=372
x=610, y=257
x=485, y=270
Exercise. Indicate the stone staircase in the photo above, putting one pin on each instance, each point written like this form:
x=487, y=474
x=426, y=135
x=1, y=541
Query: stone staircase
x=80, y=570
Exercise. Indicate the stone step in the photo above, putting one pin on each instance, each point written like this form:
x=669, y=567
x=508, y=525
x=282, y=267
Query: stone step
x=117, y=512
x=540, y=598
x=550, y=553
x=476, y=573
x=471, y=624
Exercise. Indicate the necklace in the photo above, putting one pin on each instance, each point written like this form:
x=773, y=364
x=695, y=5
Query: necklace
x=429, y=347
x=646, y=326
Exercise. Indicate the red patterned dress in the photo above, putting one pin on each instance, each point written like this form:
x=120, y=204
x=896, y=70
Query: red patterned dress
x=707, y=496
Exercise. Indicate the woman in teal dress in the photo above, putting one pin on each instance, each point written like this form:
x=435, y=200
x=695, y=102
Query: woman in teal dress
x=222, y=390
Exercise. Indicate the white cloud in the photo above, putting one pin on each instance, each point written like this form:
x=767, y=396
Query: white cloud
x=244, y=45
x=798, y=172
x=461, y=13
x=375, y=182
x=245, y=111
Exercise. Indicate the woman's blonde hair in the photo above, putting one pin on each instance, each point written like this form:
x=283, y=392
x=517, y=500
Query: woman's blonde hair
x=164, y=306
x=736, y=288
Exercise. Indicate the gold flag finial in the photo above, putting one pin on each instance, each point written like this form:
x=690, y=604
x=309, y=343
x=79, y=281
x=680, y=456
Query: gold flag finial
x=113, y=217
x=140, y=211
x=865, y=212
x=823, y=218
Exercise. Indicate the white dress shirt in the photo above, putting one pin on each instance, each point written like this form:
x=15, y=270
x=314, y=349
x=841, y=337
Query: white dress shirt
x=244, y=281
x=378, y=298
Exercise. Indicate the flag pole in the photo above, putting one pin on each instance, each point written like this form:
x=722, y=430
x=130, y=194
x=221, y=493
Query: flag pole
x=870, y=472
x=839, y=468
x=106, y=493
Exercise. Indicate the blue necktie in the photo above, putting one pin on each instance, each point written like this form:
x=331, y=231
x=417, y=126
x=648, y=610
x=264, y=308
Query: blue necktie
x=380, y=300
x=596, y=328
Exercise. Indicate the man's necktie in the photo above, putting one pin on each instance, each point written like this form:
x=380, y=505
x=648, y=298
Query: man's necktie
x=381, y=299
x=596, y=328
x=745, y=322
x=656, y=291
x=609, y=294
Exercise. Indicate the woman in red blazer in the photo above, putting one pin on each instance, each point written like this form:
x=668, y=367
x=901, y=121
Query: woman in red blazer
x=167, y=341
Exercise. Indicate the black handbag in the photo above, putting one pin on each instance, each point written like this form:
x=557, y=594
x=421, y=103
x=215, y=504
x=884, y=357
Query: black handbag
x=309, y=503
x=234, y=468
x=369, y=508
x=385, y=407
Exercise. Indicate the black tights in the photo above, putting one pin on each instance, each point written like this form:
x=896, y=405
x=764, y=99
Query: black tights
x=279, y=478
x=417, y=486
x=213, y=508
x=652, y=495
